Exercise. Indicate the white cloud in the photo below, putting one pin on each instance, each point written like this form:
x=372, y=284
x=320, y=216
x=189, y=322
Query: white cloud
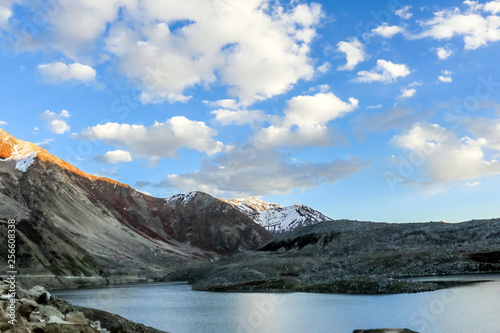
x=240, y=117
x=473, y=184
x=492, y=7
x=406, y=93
x=59, y=72
x=354, y=51
x=387, y=31
x=231, y=104
x=444, y=52
x=158, y=140
x=446, y=158
x=446, y=77
x=371, y=107
x=475, y=25
x=305, y=120
x=54, y=122
x=404, y=12
x=256, y=48
x=385, y=71
x=113, y=157
x=3, y=123
x=6, y=12
x=325, y=67
x=247, y=170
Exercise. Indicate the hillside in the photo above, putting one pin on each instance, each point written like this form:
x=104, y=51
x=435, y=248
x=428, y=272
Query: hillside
x=356, y=257
x=70, y=223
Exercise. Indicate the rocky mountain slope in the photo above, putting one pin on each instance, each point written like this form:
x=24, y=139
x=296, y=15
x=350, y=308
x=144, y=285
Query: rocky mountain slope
x=356, y=257
x=276, y=218
x=72, y=223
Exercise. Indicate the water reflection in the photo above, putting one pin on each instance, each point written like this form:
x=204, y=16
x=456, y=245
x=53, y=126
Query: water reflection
x=177, y=309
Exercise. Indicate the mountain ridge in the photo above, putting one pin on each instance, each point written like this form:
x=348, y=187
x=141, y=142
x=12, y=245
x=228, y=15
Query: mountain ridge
x=73, y=224
x=16, y=149
x=276, y=218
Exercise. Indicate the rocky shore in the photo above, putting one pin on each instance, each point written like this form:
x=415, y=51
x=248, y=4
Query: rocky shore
x=36, y=310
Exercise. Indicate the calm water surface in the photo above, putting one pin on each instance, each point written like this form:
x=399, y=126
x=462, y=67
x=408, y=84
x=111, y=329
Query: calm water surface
x=175, y=308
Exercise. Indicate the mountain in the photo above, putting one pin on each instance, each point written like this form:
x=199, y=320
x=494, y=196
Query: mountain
x=356, y=257
x=276, y=218
x=71, y=223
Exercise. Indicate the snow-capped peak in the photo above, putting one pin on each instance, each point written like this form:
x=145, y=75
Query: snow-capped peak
x=183, y=198
x=276, y=218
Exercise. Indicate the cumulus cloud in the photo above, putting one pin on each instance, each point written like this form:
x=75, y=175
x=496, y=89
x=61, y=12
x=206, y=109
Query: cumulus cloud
x=60, y=72
x=113, y=157
x=354, y=51
x=444, y=156
x=408, y=92
x=385, y=71
x=257, y=49
x=404, y=12
x=446, y=77
x=387, y=31
x=305, y=121
x=160, y=140
x=325, y=67
x=444, y=52
x=229, y=103
x=246, y=170
x=55, y=122
x=478, y=25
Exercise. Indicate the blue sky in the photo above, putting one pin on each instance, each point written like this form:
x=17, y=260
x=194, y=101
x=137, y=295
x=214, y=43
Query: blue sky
x=369, y=110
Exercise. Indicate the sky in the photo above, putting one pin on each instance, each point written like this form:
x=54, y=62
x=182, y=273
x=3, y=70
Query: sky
x=367, y=110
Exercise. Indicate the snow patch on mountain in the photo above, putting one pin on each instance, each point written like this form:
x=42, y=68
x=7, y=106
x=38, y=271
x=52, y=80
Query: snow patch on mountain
x=22, y=157
x=183, y=198
x=276, y=218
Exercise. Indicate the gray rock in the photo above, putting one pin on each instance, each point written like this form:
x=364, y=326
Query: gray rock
x=77, y=317
x=50, y=311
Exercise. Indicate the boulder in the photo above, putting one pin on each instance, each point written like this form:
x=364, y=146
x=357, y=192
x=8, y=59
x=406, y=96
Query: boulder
x=77, y=317
x=57, y=320
x=36, y=291
x=50, y=311
x=64, y=328
x=29, y=302
x=43, y=298
x=24, y=310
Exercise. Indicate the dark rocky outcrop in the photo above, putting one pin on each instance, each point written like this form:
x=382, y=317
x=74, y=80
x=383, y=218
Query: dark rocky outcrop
x=356, y=257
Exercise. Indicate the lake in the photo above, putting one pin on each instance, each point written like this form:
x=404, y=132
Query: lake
x=175, y=308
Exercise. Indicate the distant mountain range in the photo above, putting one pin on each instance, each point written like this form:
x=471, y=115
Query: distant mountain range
x=276, y=218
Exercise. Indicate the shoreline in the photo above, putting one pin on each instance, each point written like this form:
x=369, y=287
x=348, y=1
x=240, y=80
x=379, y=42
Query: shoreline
x=433, y=282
